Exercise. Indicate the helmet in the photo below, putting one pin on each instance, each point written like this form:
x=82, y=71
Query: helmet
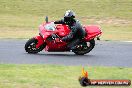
x=69, y=13
x=69, y=16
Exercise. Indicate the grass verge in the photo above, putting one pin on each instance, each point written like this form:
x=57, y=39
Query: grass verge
x=55, y=76
x=21, y=18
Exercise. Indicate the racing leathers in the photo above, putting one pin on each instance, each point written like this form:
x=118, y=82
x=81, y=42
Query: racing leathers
x=76, y=34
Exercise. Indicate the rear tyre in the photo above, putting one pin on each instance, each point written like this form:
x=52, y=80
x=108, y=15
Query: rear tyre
x=86, y=49
x=30, y=46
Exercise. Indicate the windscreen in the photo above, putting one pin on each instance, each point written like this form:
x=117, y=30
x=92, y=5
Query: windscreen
x=50, y=26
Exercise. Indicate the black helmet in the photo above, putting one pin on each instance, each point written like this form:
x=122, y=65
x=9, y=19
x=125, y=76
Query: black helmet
x=69, y=16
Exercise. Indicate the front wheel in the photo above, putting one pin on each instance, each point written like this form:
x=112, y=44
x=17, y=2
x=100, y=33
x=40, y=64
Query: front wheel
x=86, y=49
x=30, y=46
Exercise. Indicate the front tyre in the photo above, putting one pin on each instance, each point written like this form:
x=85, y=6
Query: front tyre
x=30, y=46
x=86, y=49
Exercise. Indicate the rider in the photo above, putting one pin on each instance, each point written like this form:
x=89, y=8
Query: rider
x=77, y=32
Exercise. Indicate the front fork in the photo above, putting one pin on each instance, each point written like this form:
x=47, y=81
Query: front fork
x=40, y=41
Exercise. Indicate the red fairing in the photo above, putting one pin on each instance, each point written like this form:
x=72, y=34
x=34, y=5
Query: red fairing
x=56, y=46
x=61, y=30
x=44, y=33
x=92, y=31
x=40, y=41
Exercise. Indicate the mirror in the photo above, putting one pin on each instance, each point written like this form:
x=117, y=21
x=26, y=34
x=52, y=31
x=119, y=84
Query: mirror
x=46, y=19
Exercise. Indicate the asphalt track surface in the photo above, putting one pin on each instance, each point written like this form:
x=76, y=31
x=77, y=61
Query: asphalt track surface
x=105, y=53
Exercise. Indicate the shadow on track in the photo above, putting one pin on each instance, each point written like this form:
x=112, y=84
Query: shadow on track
x=63, y=55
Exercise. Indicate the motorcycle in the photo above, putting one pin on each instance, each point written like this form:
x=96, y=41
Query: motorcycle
x=49, y=39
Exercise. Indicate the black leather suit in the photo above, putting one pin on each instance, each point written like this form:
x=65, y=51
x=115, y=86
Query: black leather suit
x=76, y=34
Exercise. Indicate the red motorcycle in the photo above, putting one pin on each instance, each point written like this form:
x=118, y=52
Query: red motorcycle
x=50, y=35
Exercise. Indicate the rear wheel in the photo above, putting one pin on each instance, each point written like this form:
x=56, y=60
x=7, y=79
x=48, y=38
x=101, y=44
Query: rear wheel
x=86, y=48
x=30, y=46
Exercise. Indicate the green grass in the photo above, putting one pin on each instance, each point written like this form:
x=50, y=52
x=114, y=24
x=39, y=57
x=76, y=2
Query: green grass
x=55, y=76
x=24, y=16
x=56, y=8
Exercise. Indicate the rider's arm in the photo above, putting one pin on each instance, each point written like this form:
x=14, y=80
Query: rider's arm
x=70, y=35
x=59, y=22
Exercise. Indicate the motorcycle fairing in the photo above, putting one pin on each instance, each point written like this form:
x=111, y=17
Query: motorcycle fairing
x=91, y=32
x=56, y=46
x=63, y=30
